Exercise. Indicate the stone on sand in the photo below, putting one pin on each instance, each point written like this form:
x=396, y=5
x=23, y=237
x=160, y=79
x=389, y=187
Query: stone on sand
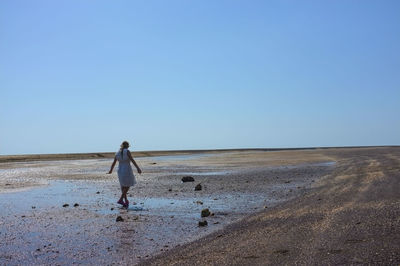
x=187, y=179
x=205, y=212
x=203, y=223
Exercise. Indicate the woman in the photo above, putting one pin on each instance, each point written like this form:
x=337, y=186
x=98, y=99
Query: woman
x=125, y=174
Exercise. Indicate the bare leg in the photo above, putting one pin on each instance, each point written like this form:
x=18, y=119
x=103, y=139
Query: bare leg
x=125, y=192
x=122, y=194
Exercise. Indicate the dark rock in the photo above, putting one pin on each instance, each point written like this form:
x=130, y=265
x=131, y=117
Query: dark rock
x=205, y=213
x=33, y=207
x=98, y=192
x=203, y=223
x=65, y=205
x=170, y=189
x=187, y=179
x=281, y=251
x=76, y=205
x=287, y=182
x=197, y=187
x=112, y=209
x=153, y=163
x=119, y=219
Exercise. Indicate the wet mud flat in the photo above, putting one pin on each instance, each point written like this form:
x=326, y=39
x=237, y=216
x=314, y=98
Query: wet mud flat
x=64, y=212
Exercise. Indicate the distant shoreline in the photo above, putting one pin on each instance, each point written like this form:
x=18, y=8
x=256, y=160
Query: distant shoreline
x=101, y=155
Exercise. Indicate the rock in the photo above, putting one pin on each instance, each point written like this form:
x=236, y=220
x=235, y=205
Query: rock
x=281, y=251
x=98, y=192
x=197, y=187
x=170, y=189
x=205, y=213
x=153, y=163
x=112, y=209
x=199, y=202
x=119, y=219
x=187, y=179
x=287, y=182
x=203, y=223
x=76, y=205
x=33, y=207
x=65, y=205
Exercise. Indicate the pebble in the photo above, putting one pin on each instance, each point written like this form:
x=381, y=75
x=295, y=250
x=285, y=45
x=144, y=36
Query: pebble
x=197, y=187
x=205, y=213
x=76, y=205
x=119, y=219
x=65, y=205
x=203, y=223
x=187, y=179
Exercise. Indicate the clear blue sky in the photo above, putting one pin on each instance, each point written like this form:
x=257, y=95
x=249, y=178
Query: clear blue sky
x=81, y=76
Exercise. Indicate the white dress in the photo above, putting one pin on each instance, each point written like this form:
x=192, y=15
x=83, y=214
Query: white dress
x=125, y=173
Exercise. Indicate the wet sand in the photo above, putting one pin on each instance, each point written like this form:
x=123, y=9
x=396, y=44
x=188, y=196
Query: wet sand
x=258, y=200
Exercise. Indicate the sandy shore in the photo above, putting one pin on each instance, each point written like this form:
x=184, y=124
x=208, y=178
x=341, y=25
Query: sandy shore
x=350, y=217
x=331, y=206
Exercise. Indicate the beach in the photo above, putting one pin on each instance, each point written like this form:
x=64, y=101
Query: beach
x=312, y=206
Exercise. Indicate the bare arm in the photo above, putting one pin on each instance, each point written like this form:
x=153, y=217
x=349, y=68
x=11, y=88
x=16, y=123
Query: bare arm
x=134, y=163
x=112, y=166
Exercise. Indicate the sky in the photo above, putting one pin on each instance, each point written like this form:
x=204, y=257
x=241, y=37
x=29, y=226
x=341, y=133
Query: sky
x=82, y=76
